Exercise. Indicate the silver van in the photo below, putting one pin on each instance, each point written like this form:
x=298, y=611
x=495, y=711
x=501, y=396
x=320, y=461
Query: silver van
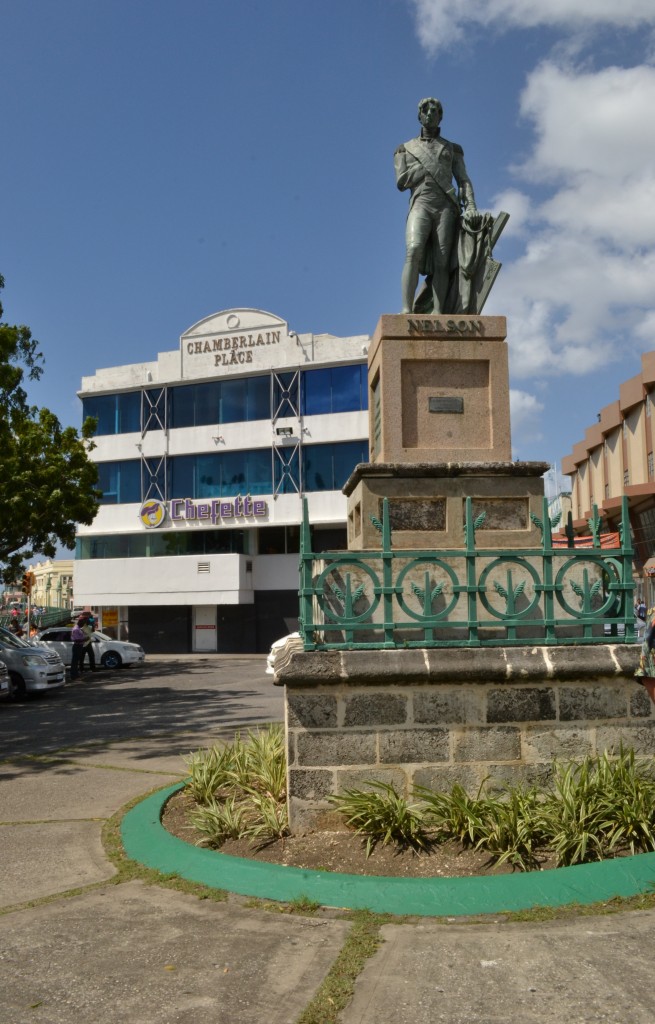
x=32, y=669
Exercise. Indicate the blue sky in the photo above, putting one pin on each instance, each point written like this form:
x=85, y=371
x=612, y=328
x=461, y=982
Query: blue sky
x=166, y=160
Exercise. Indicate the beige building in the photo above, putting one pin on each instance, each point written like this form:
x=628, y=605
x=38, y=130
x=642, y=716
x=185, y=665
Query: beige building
x=53, y=584
x=615, y=459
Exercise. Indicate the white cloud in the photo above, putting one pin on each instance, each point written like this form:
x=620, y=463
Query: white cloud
x=582, y=288
x=520, y=204
x=443, y=22
x=596, y=121
x=523, y=405
x=525, y=412
x=646, y=329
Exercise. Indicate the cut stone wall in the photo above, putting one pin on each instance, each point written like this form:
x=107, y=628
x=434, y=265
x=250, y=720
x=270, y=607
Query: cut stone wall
x=436, y=717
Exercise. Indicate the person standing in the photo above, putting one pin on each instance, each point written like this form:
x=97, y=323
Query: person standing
x=86, y=624
x=77, y=657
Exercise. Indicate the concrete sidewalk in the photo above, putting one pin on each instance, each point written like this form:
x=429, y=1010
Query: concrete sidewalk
x=151, y=955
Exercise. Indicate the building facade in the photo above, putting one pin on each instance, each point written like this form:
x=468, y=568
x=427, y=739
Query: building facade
x=615, y=459
x=205, y=456
x=53, y=583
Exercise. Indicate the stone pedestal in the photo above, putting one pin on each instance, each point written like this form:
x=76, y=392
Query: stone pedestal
x=439, y=390
x=439, y=433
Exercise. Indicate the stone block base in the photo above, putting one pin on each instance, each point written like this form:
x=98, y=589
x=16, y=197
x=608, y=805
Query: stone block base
x=436, y=717
x=426, y=503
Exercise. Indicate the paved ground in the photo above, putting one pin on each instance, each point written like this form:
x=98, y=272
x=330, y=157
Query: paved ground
x=150, y=955
x=169, y=694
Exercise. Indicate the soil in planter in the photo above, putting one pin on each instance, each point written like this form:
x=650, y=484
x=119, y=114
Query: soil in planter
x=336, y=849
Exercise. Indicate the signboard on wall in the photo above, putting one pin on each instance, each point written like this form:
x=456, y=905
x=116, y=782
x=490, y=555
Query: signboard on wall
x=153, y=513
x=232, y=342
x=109, y=617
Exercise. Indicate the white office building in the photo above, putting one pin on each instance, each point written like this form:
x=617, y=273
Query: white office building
x=204, y=457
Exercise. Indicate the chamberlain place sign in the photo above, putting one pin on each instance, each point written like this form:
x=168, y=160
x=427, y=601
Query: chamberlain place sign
x=153, y=513
x=233, y=342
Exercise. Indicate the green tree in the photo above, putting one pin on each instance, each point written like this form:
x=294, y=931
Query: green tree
x=47, y=481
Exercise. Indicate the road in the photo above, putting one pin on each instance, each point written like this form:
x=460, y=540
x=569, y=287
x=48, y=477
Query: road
x=169, y=694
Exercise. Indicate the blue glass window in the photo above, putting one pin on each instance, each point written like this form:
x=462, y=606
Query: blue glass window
x=182, y=406
x=345, y=457
x=120, y=482
x=233, y=473
x=328, y=466
x=207, y=477
x=347, y=389
x=181, y=469
x=259, y=471
x=116, y=414
x=220, y=401
x=234, y=405
x=318, y=472
x=317, y=391
x=335, y=389
x=169, y=542
x=206, y=404
x=224, y=474
x=259, y=398
x=102, y=408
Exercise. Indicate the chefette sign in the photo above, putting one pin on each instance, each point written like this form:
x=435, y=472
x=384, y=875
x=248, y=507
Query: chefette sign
x=153, y=513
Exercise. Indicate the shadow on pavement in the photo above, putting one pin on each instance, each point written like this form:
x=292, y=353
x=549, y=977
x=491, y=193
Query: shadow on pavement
x=134, y=703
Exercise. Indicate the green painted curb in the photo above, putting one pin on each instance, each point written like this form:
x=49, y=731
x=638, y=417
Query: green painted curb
x=147, y=841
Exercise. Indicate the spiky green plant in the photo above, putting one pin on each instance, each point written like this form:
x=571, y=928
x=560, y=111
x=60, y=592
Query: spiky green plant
x=270, y=818
x=263, y=768
x=220, y=821
x=383, y=816
x=240, y=789
x=514, y=828
x=572, y=814
x=600, y=806
x=209, y=771
x=630, y=801
x=454, y=815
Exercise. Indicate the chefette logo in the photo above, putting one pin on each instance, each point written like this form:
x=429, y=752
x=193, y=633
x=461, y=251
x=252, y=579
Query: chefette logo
x=152, y=514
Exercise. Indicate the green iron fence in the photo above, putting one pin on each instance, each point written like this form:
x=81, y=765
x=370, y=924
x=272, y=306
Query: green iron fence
x=468, y=597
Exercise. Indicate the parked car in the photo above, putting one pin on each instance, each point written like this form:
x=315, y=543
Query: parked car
x=5, y=682
x=108, y=652
x=32, y=668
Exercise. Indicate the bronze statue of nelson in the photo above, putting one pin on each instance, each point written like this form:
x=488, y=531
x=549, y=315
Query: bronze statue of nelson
x=447, y=239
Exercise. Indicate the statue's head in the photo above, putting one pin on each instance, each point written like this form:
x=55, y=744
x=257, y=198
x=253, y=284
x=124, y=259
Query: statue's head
x=430, y=110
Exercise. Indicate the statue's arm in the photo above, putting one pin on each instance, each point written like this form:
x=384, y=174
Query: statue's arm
x=409, y=171
x=466, y=193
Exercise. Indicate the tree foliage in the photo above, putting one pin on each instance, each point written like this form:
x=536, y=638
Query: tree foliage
x=47, y=481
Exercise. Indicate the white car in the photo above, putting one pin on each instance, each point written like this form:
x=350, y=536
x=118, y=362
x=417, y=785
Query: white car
x=109, y=653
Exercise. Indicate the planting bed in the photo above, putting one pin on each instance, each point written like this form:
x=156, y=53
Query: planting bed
x=337, y=849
